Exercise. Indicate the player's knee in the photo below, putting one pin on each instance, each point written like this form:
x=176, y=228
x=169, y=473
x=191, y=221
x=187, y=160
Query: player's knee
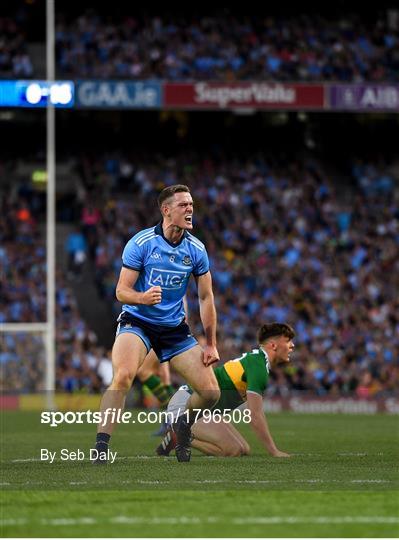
x=211, y=396
x=123, y=378
x=216, y=396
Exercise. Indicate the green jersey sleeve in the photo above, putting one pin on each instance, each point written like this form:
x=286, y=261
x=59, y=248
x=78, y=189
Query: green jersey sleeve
x=256, y=369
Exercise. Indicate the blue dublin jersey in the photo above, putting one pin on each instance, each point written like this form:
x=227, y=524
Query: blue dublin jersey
x=167, y=265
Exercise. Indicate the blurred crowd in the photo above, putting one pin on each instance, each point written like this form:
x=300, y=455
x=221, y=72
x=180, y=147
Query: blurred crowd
x=229, y=47
x=286, y=243
x=23, y=263
x=81, y=364
x=15, y=60
x=226, y=47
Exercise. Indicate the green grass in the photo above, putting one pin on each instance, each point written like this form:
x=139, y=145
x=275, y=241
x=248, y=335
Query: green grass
x=342, y=480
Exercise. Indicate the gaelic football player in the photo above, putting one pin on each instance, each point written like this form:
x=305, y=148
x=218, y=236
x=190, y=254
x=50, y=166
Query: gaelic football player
x=241, y=381
x=157, y=264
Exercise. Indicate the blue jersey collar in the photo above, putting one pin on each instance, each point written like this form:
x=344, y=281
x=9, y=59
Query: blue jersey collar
x=159, y=230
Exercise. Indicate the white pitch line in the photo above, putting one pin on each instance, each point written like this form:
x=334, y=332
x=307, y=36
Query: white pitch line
x=310, y=454
x=328, y=520
x=193, y=520
x=370, y=481
x=11, y=522
x=152, y=482
x=27, y=460
x=181, y=520
x=121, y=458
x=77, y=483
x=59, y=522
x=352, y=454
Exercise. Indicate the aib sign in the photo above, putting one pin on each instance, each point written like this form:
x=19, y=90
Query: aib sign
x=365, y=97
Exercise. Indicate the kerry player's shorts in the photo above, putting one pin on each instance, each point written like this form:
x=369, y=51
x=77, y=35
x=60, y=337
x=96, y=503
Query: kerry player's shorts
x=167, y=341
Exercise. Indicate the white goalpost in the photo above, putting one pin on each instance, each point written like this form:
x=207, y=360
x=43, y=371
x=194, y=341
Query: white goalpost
x=50, y=217
x=47, y=329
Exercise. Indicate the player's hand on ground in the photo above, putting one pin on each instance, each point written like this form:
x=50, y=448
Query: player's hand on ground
x=278, y=453
x=211, y=355
x=152, y=296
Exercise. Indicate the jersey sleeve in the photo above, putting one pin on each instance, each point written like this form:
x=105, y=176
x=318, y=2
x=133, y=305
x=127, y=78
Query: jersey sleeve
x=256, y=374
x=201, y=264
x=132, y=256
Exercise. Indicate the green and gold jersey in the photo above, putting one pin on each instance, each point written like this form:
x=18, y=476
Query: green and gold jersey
x=249, y=373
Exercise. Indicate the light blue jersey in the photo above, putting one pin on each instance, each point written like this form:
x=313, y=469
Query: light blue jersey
x=167, y=265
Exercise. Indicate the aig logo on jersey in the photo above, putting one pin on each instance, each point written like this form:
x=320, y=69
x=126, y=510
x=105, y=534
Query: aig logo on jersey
x=167, y=279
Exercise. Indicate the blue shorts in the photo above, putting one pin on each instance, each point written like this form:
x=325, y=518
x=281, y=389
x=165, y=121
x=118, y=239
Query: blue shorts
x=167, y=341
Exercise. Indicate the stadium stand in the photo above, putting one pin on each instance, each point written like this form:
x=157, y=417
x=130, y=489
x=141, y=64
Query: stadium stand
x=284, y=245
x=286, y=241
x=229, y=47
x=15, y=60
x=23, y=299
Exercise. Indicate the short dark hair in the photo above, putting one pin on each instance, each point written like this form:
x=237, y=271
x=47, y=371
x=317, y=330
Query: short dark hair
x=275, y=329
x=169, y=191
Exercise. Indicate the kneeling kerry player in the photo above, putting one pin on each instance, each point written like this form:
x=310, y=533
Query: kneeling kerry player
x=241, y=381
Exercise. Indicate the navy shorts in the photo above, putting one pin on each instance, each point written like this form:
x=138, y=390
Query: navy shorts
x=167, y=341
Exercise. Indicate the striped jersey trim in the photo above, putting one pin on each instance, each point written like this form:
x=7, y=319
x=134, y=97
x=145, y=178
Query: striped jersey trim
x=144, y=234
x=195, y=244
x=141, y=242
x=195, y=241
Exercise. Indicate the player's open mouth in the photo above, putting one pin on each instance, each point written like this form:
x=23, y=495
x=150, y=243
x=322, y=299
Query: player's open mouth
x=188, y=219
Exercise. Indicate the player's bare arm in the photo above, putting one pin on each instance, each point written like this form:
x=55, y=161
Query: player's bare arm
x=208, y=317
x=127, y=295
x=260, y=426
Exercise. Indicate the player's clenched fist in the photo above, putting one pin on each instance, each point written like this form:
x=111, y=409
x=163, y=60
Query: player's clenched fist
x=211, y=356
x=152, y=296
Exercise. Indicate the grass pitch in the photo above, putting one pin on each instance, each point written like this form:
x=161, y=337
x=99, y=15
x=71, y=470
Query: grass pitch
x=342, y=480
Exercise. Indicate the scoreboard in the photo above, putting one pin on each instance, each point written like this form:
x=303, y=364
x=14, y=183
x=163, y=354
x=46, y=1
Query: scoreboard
x=37, y=94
